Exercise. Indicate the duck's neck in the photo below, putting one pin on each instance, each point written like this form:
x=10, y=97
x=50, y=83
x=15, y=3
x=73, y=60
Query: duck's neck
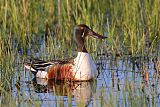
x=82, y=48
x=80, y=42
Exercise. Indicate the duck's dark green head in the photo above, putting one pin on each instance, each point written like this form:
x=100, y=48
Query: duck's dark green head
x=80, y=32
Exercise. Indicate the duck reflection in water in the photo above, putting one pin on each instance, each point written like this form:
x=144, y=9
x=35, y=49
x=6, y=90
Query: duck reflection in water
x=81, y=91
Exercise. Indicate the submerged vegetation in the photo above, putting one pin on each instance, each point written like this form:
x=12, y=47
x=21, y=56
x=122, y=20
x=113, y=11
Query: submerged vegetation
x=132, y=27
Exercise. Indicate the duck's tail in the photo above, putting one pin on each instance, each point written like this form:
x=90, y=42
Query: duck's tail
x=29, y=67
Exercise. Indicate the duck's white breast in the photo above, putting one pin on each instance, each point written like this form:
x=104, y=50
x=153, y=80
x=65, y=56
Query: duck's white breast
x=84, y=68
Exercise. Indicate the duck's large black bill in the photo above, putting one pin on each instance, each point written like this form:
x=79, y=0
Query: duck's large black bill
x=96, y=35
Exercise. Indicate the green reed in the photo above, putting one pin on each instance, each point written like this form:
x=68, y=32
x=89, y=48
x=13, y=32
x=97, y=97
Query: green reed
x=128, y=21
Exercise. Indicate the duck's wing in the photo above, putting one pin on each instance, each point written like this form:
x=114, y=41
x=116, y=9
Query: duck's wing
x=64, y=61
x=36, y=65
x=41, y=65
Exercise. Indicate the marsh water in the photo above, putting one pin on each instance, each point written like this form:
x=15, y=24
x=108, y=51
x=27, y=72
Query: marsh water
x=120, y=81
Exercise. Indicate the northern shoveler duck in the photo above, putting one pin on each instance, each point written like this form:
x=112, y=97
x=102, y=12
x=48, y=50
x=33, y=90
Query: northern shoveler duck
x=81, y=68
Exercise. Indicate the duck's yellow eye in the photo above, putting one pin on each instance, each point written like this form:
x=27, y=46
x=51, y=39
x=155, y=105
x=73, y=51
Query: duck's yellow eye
x=81, y=28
